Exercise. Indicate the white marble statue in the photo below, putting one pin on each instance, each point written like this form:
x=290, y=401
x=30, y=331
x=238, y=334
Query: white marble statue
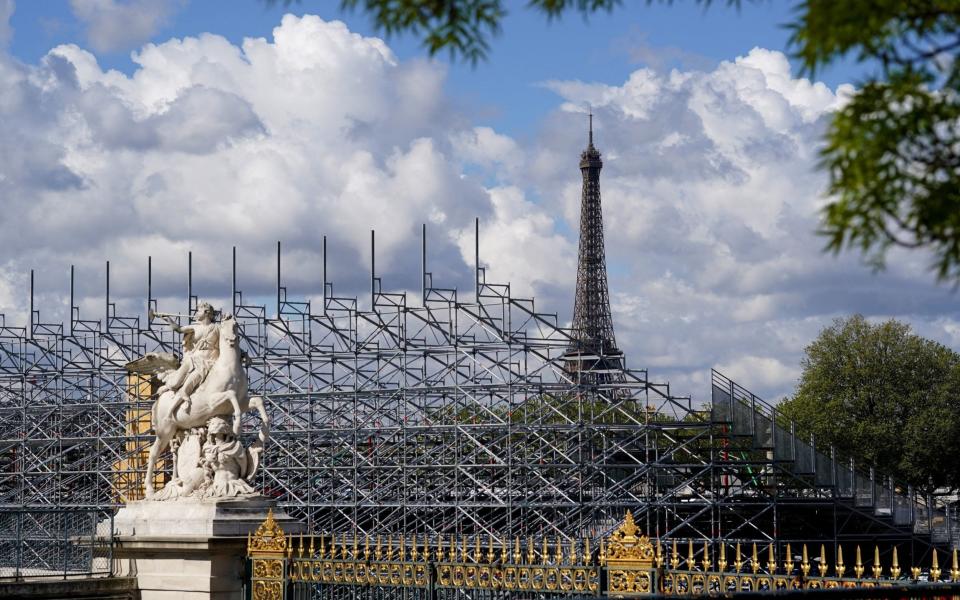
x=201, y=347
x=229, y=466
x=210, y=462
x=213, y=379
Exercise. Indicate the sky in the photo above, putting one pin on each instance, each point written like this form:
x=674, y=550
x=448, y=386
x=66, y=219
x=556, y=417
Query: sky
x=135, y=128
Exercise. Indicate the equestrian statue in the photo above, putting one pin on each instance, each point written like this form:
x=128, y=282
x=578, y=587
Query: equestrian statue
x=192, y=410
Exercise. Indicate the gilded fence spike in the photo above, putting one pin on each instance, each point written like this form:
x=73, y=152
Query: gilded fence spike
x=389, y=553
x=414, y=551
x=465, y=549
x=934, y=568
x=530, y=555
x=823, y=567
x=788, y=560
x=312, y=548
x=290, y=548
x=722, y=559
x=366, y=547
x=659, y=555
x=955, y=568
x=344, y=551
x=490, y=555
x=603, y=553
x=841, y=569
x=805, y=562
x=505, y=552
x=558, y=553
x=771, y=560
x=333, y=546
x=915, y=573
x=477, y=553
x=706, y=556
x=754, y=560
x=573, y=551
x=425, y=555
x=895, y=567
x=544, y=551
x=355, y=551
x=323, y=547
x=516, y=550
x=248, y=543
x=401, y=547
x=587, y=555
x=300, y=549
x=858, y=566
x=378, y=550
x=674, y=557
x=738, y=563
x=877, y=567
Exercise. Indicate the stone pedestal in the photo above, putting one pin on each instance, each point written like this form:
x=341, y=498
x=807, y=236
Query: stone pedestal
x=191, y=548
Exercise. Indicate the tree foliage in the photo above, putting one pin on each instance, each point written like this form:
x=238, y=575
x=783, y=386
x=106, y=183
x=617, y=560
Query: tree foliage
x=893, y=152
x=462, y=27
x=886, y=397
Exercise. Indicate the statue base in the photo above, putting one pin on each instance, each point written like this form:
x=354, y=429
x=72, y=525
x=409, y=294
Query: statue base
x=191, y=548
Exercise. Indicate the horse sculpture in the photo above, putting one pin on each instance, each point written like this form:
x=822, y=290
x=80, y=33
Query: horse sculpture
x=223, y=392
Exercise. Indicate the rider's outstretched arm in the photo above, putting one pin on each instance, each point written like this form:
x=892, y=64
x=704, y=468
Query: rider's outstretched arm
x=177, y=327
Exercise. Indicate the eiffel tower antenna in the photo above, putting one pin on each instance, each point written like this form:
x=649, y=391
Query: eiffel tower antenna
x=593, y=356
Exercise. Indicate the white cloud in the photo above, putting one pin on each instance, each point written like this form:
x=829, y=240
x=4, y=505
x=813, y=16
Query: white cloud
x=122, y=24
x=208, y=145
x=709, y=188
x=711, y=193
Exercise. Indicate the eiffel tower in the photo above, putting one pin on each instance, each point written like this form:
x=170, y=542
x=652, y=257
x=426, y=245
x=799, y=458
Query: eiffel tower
x=593, y=357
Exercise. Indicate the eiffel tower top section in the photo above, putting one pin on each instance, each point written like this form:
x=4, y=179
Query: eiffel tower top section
x=592, y=321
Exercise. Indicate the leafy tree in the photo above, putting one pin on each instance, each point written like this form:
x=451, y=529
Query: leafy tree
x=884, y=396
x=892, y=153
x=462, y=27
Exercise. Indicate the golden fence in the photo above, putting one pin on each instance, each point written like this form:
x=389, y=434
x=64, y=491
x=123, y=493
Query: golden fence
x=627, y=564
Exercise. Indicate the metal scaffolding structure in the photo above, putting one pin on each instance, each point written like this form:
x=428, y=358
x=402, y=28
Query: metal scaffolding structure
x=446, y=415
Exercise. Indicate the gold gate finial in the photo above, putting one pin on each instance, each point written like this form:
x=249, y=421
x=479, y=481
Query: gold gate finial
x=624, y=545
x=630, y=558
x=268, y=539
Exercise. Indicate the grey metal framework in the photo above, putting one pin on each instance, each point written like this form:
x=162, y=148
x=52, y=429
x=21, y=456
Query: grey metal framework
x=593, y=355
x=448, y=415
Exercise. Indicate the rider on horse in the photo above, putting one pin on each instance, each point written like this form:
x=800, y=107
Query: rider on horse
x=201, y=347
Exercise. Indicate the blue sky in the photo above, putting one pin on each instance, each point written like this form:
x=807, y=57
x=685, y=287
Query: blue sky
x=150, y=128
x=505, y=90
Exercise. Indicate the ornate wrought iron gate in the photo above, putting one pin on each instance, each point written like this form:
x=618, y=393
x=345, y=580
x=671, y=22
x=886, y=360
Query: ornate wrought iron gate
x=627, y=564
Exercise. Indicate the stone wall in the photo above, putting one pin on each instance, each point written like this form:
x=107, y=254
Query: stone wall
x=99, y=588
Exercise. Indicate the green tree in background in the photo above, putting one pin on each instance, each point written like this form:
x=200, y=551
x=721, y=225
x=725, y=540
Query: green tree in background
x=892, y=153
x=884, y=396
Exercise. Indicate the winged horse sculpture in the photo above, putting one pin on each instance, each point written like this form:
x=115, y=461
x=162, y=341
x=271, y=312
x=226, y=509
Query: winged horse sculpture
x=222, y=393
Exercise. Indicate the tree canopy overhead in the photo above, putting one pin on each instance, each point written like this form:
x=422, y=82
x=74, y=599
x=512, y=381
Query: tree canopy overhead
x=892, y=153
x=886, y=397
